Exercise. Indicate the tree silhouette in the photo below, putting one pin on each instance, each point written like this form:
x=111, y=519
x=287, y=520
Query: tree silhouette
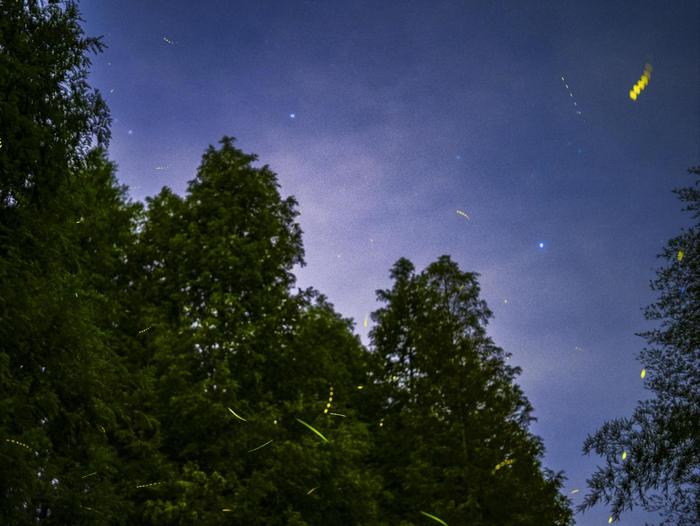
x=661, y=441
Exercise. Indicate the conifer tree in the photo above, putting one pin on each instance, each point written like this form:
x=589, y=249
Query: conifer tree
x=653, y=457
x=470, y=458
x=239, y=362
x=57, y=372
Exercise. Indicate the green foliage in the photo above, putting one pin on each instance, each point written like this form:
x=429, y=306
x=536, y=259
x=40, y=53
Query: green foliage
x=661, y=437
x=445, y=384
x=48, y=115
x=130, y=335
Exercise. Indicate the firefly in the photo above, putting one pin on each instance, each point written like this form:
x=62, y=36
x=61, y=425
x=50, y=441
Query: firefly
x=437, y=519
x=312, y=429
x=260, y=447
x=236, y=415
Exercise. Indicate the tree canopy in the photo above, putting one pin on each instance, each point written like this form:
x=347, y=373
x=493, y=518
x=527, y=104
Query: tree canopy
x=157, y=366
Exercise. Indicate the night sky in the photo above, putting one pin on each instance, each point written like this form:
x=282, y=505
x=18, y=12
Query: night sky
x=383, y=118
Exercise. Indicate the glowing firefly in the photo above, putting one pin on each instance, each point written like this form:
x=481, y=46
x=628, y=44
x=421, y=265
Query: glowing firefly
x=574, y=491
x=643, y=373
x=18, y=443
x=642, y=83
x=364, y=324
x=504, y=463
x=260, y=447
x=624, y=455
x=437, y=519
x=312, y=490
x=149, y=485
x=236, y=415
x=463, y=214
x=312, y=429
x=680, y=255
x=168, y=41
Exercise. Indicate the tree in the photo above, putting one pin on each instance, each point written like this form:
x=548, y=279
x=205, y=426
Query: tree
x=49, y=116
x=442, y=382
x=239, y=361
x=64, y=224
x=658, y=448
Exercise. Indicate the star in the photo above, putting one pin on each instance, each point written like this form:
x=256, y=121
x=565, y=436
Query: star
x=541, y=244
x=292, y=115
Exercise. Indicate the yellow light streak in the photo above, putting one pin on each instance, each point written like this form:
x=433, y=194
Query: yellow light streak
x=236, y=415
x=312, y=429
x=437, y=519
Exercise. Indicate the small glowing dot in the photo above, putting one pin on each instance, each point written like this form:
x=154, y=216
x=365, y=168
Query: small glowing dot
x=610, y=520
x=130, y=132
x=643, y=373
x=624, y=455
x=541, y=245
x=680, y=255
x=292, y=115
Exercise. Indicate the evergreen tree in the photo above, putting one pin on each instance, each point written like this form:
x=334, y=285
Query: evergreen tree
x=444, y=384
x=64, y=224
x=49, y=116
x=239, y=362
x=658, y=448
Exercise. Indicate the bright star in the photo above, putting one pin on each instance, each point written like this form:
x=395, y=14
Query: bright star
x=541, y=245
x=292, y=115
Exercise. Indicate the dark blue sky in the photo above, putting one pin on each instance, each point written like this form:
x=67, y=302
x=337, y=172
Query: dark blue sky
x=384, y=118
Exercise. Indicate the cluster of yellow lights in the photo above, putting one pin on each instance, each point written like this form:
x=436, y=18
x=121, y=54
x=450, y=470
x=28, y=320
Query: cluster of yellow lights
x=330, y=399
x=149, y=485
x=504, y=463
x=641, y=83
x=16, y=442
